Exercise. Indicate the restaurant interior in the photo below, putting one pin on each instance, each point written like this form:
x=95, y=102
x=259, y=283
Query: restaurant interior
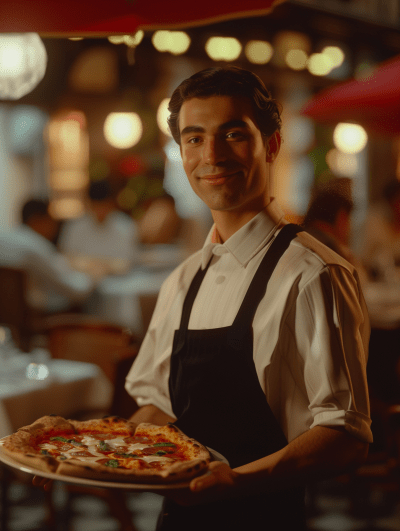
x=84, y=113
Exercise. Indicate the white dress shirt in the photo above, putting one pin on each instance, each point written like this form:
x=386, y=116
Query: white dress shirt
x=311, y=329
x=115, y=237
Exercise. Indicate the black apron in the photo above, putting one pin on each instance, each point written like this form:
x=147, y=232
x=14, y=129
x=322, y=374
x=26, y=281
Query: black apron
x=217, y=399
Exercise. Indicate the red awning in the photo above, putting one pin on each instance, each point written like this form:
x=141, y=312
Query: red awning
x=105, y=17
x=373, y=102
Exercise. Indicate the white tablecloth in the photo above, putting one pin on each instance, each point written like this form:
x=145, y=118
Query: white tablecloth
x=71, y=386
x=383, y=303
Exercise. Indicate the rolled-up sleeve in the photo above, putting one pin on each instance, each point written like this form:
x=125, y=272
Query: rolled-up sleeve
x=332, y=335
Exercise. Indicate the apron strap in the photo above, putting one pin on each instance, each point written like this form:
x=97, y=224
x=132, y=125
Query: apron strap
x=191, y=295
x=258, y=286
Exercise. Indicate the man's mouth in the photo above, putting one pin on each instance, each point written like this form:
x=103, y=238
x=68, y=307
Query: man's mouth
x=217, y=178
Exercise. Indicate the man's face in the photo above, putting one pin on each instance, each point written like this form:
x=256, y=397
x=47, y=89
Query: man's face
x=224, y=154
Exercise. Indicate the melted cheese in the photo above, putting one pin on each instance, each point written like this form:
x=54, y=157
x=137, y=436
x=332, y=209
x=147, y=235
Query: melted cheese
x=91, y=445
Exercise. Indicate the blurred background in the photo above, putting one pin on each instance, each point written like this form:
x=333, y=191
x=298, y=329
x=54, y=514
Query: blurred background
x=96, y=211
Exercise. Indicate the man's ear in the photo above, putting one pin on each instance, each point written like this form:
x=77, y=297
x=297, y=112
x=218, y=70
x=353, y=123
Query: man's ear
x=273, y=146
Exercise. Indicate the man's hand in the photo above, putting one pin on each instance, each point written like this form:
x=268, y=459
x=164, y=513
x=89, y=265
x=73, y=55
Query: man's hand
x=46, y=483
x=218, y=482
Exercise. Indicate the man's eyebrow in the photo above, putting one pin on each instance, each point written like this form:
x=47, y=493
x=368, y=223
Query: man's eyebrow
x=223, y=127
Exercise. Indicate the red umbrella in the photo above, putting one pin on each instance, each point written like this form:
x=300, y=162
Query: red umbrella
x=373, y=101
x=73, y=17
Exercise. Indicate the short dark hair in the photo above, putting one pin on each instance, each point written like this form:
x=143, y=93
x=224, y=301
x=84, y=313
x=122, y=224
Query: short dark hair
x=227, y=81
x=32, y=208
x=391, y=190
x=327, y=201
x=99, y=190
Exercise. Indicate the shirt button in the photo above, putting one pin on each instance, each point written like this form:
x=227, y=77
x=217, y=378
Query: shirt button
x=220, y=279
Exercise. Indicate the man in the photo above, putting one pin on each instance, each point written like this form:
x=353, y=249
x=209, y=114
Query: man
x=53, y=285
x=104, y=232
x=257, y=346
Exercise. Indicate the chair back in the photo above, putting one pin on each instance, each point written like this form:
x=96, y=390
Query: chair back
x=85, y=338
x=15, y=312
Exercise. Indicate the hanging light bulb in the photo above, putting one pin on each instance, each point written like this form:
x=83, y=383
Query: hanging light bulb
x=23, y=61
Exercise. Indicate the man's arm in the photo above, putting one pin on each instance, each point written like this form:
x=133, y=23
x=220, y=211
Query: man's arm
x=318, y=453
x=151, y=414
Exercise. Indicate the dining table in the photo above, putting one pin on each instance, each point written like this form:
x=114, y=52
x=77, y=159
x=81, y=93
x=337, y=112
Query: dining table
x=34, y=385
x=383, y=369
x=120, y=285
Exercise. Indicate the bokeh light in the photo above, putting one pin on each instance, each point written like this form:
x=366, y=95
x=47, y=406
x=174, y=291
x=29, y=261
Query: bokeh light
x=123, y=129
x=175, y=42
x=23, y=62
x=66, y=208
x=342, y=164
x=162, y=115
x=319, y=64
x=335, y=54
x=130, y=40
x=350, y=138
x=258, y=52
x=223, y=48
x=296, y=59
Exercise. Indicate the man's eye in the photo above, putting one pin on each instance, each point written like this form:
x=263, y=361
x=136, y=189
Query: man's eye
x=234, y=135
x=193, y=140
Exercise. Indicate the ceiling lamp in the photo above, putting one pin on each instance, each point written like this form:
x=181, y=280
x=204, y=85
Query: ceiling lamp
x=123, y=129
x=223, y=48
x=23, y=61
x=258, y=52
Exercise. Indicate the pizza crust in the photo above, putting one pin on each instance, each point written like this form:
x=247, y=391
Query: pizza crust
x=21, y=447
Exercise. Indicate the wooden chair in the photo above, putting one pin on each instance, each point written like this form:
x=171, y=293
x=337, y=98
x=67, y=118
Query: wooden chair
x=147, y=303
x=113, y=349
x=87, y=338
x=15, y=312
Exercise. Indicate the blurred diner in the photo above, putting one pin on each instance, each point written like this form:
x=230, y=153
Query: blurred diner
x=53, y=286
x=328, y=218
x=104, y=239
x=380, y=249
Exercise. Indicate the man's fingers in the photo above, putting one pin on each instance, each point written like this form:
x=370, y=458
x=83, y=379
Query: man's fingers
x=203, y=482
x=38, y=481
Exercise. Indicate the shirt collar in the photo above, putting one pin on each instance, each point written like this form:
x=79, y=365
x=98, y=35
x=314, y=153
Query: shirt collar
x=245, y=243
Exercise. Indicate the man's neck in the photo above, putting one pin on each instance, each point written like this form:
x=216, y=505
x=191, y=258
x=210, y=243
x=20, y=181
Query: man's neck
x=227, y=223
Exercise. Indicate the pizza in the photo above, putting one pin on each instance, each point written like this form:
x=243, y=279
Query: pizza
x=108, y=449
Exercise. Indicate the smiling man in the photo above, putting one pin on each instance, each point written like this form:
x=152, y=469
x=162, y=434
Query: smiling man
x=258, y=344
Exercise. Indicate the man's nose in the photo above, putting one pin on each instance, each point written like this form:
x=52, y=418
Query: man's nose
x=214, y=151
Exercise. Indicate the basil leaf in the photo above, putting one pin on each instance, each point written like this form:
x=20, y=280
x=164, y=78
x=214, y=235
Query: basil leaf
x=165, y=444
x=127, y=455
x=72, y=441
x=44, y=452
x=62, y=458
x=62, y=439
x=112, y=463
x=104, y=446
x=160, y=452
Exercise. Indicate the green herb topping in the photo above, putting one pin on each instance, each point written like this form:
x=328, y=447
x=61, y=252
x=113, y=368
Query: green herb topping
x=113, y=463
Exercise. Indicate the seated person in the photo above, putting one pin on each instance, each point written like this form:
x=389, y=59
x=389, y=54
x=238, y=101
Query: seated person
x=103, y=232
x=160, y=223
x=53, y=285
x=380, y=248
x=328, y=219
